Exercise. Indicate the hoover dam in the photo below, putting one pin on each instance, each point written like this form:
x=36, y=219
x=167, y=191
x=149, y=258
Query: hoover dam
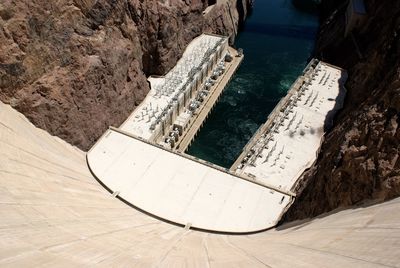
x=143, y=161
x=55, y=214
x=135, y=196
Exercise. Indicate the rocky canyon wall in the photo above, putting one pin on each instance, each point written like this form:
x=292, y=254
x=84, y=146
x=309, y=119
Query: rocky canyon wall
x=75, y=67
x=359, y=161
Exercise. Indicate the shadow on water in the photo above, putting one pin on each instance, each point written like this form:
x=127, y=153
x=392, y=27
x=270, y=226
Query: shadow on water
x=293, y=31
x=307, y=6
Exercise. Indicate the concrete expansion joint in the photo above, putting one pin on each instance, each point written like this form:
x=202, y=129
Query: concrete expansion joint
x=188, y=225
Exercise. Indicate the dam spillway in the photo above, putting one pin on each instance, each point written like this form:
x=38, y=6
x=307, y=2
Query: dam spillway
x=143, y=161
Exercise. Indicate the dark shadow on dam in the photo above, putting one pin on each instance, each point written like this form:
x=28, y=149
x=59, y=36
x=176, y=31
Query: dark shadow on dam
x=292, y=31
x=339, y=103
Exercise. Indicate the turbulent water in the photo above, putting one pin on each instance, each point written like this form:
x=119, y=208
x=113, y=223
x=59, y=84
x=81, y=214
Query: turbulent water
x=277, y=40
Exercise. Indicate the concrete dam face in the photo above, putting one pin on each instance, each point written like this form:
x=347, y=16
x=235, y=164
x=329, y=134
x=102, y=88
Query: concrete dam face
x=55, y=213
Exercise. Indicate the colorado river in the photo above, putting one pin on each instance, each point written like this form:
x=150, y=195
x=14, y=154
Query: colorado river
x=277, y=40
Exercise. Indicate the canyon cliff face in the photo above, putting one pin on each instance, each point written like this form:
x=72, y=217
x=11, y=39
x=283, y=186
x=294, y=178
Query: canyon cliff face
x=75, y=67
x=359, y=161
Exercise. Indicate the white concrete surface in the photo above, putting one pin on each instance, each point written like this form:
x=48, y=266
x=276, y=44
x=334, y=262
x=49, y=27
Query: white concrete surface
x=182, y=190
x=53, y=213
x=285, y=150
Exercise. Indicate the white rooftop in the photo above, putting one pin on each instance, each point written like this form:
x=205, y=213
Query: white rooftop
x=164, y=89
x=291, y=147
x=181, y=190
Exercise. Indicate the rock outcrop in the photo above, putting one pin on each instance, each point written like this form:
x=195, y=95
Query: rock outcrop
x=74, y=67
x=359, y=161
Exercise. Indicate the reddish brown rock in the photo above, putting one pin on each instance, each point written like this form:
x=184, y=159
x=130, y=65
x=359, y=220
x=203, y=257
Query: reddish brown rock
x=74, y=67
